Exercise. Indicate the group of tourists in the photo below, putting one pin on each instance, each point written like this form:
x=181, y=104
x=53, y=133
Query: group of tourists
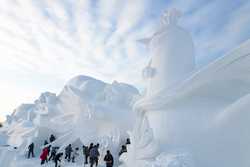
x=46, y=150
x=91, y=153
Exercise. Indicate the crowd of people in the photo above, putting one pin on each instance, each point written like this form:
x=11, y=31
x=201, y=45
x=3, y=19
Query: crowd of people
x=91, y=153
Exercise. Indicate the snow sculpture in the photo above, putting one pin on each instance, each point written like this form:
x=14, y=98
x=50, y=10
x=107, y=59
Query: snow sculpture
x=87, y=110
x=203, y=112
x=172, y=52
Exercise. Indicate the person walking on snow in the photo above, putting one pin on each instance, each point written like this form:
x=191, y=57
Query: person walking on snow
x=123, y=150
x=49, y=148
x=128, y=141
x=53, y=153
x=94, y=156
x=52, y=138
x=109, y=159
x=68, y=151
x=58, y=159
x=31, y=150
x=85, y=150
x=46, y=142
x=91, y=146
x=44, y=155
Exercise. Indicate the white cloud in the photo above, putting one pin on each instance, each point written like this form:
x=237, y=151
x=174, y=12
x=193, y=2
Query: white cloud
x=46, y=38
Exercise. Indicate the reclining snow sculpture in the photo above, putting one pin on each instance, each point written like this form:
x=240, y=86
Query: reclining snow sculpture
x=87, y=110
x=202, y=112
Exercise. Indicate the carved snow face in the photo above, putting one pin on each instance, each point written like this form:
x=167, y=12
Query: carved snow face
x=170, y=17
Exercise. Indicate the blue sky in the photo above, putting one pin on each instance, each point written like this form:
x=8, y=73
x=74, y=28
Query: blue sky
x=44, y=43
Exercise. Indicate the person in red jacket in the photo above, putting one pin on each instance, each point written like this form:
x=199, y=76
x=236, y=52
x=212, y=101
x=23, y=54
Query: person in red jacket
x=44, y=155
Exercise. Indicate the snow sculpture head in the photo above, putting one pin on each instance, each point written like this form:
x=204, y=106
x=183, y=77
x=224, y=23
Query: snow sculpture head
x=172, y=54
x=170, y=17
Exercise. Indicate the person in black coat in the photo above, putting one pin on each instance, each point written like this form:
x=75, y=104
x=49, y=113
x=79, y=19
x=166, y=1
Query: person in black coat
x=53, y=153
x=46, y=142
x=31, y=150
x=94, y=156
x=123, y=150
x=58, y=158
x=52, y=138
x=68, y=151
x=91, y=146
x=85, y=153
x=128, y=141
x=49, y=149
x=109, y=159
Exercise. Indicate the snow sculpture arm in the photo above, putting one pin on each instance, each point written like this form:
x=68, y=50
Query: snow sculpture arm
x=148, y=71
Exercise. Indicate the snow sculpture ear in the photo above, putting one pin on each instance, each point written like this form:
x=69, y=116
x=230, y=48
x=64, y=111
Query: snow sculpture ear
x=170, y=17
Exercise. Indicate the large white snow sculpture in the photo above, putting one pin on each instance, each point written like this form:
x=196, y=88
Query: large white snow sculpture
x=87, y=110
x=204, y=112
x=172, y=52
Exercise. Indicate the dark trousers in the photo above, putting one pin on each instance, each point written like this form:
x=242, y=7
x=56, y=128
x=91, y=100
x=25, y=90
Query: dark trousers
x=56, y=163
x=109, y=165
x=52, y=156
x=31, y=152
x=73, y=159
x=68, y=156
x=42, y=162
x=93, y=160
x=86, y=159
x=96, y=161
